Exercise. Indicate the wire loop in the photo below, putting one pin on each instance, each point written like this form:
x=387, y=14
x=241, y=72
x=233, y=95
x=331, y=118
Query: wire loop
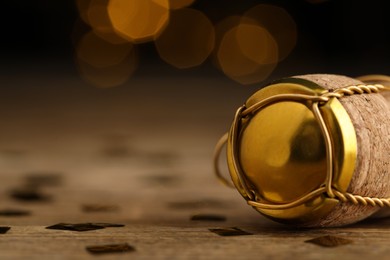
x=316, y=101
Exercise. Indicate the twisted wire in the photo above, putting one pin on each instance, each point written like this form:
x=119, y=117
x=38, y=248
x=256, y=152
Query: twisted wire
x=366, y=201
x=251, y=196
x=355, y=89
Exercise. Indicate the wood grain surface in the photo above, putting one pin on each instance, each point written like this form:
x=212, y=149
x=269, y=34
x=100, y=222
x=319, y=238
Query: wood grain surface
x=138, y=155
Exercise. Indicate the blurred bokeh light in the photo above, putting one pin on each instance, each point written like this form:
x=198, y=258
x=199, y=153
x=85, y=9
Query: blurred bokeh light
x=99, y=53
x=110, y=76
x=246, y=48
x=247, y=53
x=330, y=34
x=100, y=22
x=82, y=7
x=139, y=20
x=95, y=14
x=104, y=64
x=177, y=4
x=188, y=39
x=279, y=23
x=257, y=44
x=221, y=28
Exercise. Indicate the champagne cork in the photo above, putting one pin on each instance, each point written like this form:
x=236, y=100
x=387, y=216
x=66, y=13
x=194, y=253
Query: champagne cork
x=312, y=150
x=370, y=115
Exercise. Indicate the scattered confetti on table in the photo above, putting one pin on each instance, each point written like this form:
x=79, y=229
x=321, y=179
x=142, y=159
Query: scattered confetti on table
x=329, y=241
x=112, y=248
x=228, y=232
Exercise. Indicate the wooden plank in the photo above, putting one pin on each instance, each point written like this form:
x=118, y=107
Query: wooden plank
x=147, y=151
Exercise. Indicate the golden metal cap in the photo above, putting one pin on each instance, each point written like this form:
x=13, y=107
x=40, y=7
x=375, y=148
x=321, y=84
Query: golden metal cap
x=290, y=145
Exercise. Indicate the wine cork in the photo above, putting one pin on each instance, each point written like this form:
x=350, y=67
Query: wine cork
x=370, y=115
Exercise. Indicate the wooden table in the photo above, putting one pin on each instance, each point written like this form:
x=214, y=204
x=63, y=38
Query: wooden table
x=138, y=155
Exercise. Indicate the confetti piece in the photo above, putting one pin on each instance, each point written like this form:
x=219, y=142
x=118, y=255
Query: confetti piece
x=29, y=194
x=75, y=227
x=14, y=213
x=4, y=230
x=112, y=248
x=234, y=231
x=208, y=217
x=329, y=241
x=80, y=227
x=43, y=179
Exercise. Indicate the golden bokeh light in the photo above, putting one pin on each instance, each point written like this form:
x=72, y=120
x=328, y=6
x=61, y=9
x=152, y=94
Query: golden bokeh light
x=177, y=4
x=188, y=40
x=257, y=44
x=279, y=23
x=105, y=64
x=246, y=48
x=107, y=77
x=224, y=26
x=138, y=20
x=99, y=20
x=95, y=14
x=82, y=6
x=221, y=29
x=99, y=53
x=247, y=53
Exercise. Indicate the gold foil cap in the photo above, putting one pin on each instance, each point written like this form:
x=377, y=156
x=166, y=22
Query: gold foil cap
x=290, y=147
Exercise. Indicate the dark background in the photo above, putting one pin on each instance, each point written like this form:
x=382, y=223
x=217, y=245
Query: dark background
x=345, y=37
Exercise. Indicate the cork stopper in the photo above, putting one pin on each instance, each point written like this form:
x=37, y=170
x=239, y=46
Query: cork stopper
x=312, y=151
x=370, y=115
